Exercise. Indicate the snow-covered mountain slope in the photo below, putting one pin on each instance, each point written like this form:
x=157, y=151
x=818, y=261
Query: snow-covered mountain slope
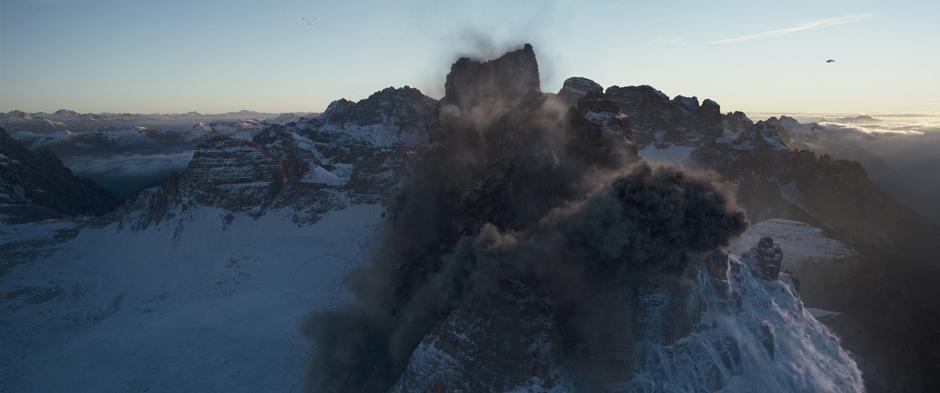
x=727, y=327
x=207, y=277
x=214, y=307
x=752, y=333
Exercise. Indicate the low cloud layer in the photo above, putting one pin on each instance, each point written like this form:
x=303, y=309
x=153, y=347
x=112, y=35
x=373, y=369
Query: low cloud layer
x=126, y=175
x=128, y=165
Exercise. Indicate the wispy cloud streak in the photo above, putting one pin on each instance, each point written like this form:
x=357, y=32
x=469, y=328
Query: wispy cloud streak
x=811, y=25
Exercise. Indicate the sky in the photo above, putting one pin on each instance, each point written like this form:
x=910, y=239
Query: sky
x=299, y=55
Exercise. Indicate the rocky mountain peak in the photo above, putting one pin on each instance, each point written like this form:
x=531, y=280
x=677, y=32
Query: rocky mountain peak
x=336, y=106
x=763, y=135
x=689, y=104
x=637, y=96
x=576, y=88
x=66, y=112
x=388, y=117
x=737, y=121
x=710, y=108
x=656, y=119
x=474, y=86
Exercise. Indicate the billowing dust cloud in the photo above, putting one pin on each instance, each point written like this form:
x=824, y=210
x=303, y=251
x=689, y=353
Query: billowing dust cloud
x=520, y=185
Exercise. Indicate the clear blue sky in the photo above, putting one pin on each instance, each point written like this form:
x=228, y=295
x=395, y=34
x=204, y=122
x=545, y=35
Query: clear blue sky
x=223, y=55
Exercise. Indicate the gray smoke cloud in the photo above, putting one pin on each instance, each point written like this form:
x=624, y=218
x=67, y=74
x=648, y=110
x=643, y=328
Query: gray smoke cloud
x=515, y=185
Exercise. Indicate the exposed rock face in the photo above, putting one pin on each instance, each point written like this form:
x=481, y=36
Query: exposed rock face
x=761, y=137
x=575, y=88
x=483, y=91
x=483, y=347
x=769, y=257
x=400, y=116
x=36, y=186
x=658, y=120
x=736, y=122
x=514, y=134
x=603, y=113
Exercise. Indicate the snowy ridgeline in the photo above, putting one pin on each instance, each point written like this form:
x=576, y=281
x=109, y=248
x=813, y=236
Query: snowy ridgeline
x=749, y=334
x=754, y=336
x=214, y=309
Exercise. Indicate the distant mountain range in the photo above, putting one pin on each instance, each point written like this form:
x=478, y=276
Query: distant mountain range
x=67, y=120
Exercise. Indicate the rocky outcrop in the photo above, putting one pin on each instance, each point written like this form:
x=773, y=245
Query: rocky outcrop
x=483, y=347
x=602, y=112
x=658, y=120
x=575, y=88
x=769, y=257
x=388, y=117
x=36, y=186
x=479, y=92
x=736, y=122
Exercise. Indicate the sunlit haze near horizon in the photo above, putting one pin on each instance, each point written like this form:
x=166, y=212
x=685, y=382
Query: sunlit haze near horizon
x=290, y=56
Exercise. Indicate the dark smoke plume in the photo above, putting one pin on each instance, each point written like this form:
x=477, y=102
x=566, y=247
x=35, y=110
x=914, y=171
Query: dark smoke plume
x=516, y=185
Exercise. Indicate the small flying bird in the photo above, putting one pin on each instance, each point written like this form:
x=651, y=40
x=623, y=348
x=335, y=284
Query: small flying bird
x=830, y=61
